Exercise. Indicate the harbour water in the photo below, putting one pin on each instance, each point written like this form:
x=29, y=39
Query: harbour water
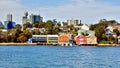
x=59, y=57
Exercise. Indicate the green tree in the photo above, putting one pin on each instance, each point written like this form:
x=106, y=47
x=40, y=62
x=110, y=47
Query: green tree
x=116, y=31
x=22, y=39
x=49, y=26
x=18, y=27
x=27, y=25
x=56, y=30
x=26, y=34
x=36, y=25
x=35, y=32
x=41, y=25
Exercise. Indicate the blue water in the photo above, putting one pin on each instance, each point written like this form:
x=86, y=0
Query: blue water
x=59, y=57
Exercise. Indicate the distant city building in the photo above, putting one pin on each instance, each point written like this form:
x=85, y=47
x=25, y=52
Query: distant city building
x=9, y=17
x=1, y=25
x=35, y=18
x=9, y=23
x=73, y=22
x=25, y=18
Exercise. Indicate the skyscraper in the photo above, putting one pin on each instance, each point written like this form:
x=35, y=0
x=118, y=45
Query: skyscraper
x=35, y=18
x=9, y=23
x=9, y=17
x=25, y=18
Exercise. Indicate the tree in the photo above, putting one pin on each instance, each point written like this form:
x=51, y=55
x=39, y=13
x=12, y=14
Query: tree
x=26, y=33
x=27, y=25
x=56, y=30
x=65, y=23
x=36, y=32
x=18, y=26
x=59, y=24
x=41, y=25
x=22, y=39
x=49, y=26
x=100, y=27
x=35, y=25
x=11, y=35
x=116, y=31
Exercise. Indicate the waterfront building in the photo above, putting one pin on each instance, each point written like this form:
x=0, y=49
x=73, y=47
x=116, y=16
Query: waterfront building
x=49, y=39
x=35, y=18
x=80, y=39
x=91, y=40
x=119, y=40
x=39, y=38
x=9, y=17
x=52, y=39
x=62, y=39
x=1, y=25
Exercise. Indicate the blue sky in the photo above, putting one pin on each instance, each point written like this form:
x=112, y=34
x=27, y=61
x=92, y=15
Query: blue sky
x=89, y=11
x=44, y=2
x=60, y=2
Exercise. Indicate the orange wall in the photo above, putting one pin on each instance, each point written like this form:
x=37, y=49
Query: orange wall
x=63, y=38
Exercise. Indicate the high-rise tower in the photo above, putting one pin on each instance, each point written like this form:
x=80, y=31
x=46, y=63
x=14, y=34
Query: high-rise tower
x=9, y=17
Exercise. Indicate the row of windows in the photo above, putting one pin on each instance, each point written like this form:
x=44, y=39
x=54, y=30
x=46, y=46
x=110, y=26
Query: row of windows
x=53, y=38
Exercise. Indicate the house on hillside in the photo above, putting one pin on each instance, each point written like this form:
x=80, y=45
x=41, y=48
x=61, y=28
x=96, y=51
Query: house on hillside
x=109, y=31
x=85, y=27
x=86, y=32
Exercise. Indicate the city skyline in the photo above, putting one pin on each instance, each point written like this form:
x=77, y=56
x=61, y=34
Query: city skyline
x=89, y=11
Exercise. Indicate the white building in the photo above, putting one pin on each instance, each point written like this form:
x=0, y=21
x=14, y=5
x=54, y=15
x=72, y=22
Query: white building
x=85, y=27
x=73, y=22
x=52, y=39
x=109, y=30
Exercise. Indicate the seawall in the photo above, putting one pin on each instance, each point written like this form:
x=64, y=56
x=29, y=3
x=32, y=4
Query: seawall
x=18, y=44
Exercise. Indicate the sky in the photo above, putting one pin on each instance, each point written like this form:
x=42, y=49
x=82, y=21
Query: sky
x=89, y=11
